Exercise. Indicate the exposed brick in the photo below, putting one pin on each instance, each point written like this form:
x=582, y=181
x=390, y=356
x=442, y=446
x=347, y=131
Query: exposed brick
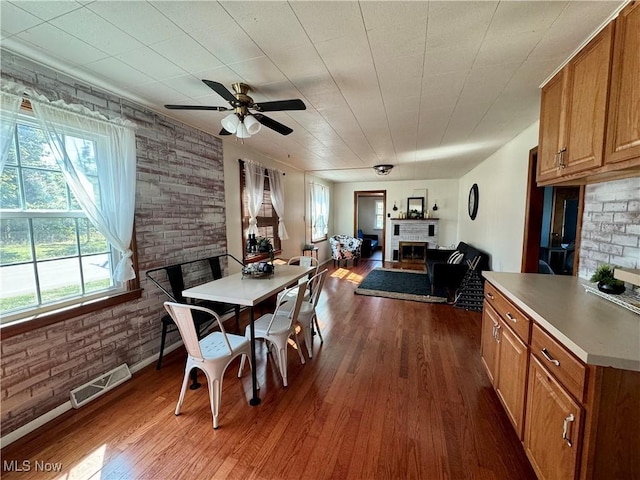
x=180, y=188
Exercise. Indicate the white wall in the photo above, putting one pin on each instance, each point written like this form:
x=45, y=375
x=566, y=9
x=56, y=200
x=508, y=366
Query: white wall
x=444, y=192
x=295, y=196
x=294, y=200
x=502, y=180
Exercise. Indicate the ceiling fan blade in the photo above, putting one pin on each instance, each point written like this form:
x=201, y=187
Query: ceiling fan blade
x=196, y=107
x=273, y=124
x=224, y=132
x=278, y=105
x=221, y=90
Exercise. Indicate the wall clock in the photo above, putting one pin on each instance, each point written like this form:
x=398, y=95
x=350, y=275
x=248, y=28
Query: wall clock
x=473, y=201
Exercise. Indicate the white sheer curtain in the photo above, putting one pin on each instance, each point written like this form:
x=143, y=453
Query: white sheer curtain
x=254, y=181
x=319, y=211
x=71, y=130
x=10, y=99
x=277, y=200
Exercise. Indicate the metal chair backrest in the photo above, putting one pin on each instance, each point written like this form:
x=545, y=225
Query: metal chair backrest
x=183, y=317
x=317, y=282
x=291, y=314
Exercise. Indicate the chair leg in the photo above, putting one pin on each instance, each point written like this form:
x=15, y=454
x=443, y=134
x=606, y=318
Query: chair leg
x=183, y=389
x=308, y=338
x=298, y=348
x=315, y=319
x=215, y=396
x=162, y=340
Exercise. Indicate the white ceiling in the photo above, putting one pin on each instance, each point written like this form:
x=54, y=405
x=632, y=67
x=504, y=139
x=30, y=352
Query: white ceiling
x=431, y=87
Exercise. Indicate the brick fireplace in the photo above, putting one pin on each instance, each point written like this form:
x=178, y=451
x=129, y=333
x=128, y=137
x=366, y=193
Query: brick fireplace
x=411, y=238
x=412, y=252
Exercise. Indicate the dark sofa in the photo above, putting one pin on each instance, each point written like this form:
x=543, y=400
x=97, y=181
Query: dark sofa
x=369, y=243
x=446, y=277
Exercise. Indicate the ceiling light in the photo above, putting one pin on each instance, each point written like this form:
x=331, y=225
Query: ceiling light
x=242, y=132
x=253, y=125
x=383, y=169
x=230, y=123
x=243, y=125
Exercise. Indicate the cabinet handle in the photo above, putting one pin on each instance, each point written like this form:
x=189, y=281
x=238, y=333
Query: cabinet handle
x=498, y=333
x=511, y=317
x=562, y=152
x=565, y=428
x=548, y=356
x=489, y=296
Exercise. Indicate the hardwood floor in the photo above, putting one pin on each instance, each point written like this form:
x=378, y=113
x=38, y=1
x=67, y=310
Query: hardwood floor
x=397, y=391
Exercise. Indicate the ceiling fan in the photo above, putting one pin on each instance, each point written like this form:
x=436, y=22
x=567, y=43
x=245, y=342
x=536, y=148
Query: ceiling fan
x=242, y=121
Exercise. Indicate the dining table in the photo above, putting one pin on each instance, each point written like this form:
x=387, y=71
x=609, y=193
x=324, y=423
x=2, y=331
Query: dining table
x=249, y=290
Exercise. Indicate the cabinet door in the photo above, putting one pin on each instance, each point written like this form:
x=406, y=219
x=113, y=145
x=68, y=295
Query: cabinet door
x=623, y=134
x=512, y=375
x=588, y=93
x=489, y=348
x=553, y=426
x=551, y=127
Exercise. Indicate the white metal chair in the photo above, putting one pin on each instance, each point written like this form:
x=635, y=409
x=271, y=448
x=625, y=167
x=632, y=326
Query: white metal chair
x=277, y=327
x=305, y=261
x=211, y=354
x=307, y=316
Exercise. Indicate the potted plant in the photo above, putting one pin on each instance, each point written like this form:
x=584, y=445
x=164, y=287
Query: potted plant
x=264, y=245
x=603, y=276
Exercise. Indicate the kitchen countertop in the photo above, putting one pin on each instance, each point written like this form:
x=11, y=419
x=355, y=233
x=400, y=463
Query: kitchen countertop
x=597, y=331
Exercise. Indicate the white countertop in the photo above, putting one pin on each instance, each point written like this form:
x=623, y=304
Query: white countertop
x=597, y=331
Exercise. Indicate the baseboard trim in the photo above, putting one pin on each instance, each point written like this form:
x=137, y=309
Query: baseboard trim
x=65, y=407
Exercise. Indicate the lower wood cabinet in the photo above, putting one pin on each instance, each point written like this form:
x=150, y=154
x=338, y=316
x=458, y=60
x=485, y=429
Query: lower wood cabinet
x=553, y=426
x=512, y=376
x=575, y=420
x=489, y=349
x=505, y=358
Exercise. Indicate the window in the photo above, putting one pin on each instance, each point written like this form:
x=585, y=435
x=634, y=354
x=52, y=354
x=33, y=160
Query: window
x=319, y=202
x=50, y=253
x=267, y=217
x=379, y=214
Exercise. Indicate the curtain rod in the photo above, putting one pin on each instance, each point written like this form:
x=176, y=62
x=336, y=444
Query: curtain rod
x=260, y=165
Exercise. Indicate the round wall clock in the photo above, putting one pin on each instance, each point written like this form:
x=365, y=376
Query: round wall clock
x=473, y=201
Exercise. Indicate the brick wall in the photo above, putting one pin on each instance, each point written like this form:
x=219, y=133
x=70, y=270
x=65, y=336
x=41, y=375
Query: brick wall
x=611, y=226
x=180, y=215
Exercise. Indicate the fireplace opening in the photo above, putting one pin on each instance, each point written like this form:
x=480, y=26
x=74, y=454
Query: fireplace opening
x=412, y=252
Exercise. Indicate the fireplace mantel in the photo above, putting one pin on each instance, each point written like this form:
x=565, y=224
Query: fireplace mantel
x=412, y=230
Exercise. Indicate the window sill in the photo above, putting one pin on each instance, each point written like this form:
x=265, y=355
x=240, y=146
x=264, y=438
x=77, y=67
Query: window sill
x=49, y=318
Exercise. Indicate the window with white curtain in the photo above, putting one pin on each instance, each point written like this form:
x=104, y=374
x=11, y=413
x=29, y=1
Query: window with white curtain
x=267, y=217
x=50, y=253
x=319, y=206
x=379, y=214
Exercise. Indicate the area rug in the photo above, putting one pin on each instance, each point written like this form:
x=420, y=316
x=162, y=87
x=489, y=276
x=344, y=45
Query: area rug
x=401, y=284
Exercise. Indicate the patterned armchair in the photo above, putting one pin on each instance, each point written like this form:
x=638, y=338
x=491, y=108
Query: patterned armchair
x=345, y=247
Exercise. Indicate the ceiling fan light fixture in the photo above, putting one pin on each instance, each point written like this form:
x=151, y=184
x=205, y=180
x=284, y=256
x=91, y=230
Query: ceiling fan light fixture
x=252, y=125
x=230, y=123
x=242, y=132
x=383, y=169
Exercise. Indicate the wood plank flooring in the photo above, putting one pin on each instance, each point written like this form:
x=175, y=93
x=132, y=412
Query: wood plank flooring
x=396, y=391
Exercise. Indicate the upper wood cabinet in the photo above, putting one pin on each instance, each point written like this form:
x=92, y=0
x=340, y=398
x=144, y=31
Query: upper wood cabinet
x=590, y=110
x=573, y=112
x=623, y=132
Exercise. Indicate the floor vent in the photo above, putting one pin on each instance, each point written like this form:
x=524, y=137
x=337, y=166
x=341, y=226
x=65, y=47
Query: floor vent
x=96, y=387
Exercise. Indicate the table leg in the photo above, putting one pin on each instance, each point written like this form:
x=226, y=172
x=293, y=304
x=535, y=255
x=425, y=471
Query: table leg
x=194, y=380
x=255, y=400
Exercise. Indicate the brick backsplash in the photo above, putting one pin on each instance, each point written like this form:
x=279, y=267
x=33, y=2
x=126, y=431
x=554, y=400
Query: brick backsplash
x=180, y=216
x=610, y=226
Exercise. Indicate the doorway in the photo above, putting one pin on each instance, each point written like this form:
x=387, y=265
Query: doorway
x=553, y=219
x=369, y=222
